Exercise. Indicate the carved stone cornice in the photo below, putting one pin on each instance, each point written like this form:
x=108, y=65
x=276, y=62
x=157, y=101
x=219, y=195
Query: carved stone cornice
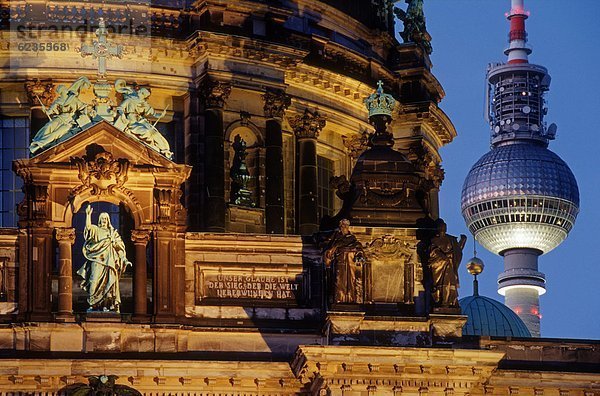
x=215, y=93
x=276, y=102
x=308, y=125
x=65, y=234
x=40, y=92
x=140, y=236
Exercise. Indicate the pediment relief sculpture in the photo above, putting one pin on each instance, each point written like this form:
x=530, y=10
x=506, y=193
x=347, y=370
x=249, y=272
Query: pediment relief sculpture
x=101, y=173
x=69, y=115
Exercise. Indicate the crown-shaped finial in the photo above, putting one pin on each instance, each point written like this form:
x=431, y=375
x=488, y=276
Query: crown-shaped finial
x=380, y=103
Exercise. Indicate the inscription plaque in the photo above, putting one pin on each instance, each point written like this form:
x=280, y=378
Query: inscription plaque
x=213, y=286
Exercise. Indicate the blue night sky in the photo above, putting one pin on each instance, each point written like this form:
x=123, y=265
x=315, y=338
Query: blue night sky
x=564, y=36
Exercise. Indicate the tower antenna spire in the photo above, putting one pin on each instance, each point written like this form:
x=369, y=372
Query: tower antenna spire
x=517, y=51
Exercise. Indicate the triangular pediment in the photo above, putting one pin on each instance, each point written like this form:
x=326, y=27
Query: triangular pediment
x=111, y=139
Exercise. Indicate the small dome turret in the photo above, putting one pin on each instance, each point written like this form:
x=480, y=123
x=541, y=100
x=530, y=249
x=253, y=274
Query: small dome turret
x=486, y=316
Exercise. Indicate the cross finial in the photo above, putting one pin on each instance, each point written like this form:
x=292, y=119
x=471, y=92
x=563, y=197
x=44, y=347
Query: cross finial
x=101, y=49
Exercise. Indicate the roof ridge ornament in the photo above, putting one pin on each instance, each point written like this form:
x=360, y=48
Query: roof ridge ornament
x=101, y=49
x=380, y=106
x=379, y=102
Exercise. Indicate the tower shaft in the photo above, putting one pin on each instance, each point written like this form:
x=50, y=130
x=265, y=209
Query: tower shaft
x=520, y=200
x=521, y=284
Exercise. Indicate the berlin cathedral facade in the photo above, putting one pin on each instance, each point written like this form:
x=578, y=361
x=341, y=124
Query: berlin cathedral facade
x=237, y=198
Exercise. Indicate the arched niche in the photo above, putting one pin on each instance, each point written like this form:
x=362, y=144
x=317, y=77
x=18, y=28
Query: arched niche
x=99, y=164
x=246, y=214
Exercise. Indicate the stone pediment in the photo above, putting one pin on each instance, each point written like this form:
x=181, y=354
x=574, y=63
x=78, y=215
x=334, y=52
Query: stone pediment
x=111, y=139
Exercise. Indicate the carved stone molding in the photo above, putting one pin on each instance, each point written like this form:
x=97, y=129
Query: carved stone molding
x=356, y=144
x=308, y=125
x=34, y=204
x=164, y=200
x=276, y=102
x=65, y=235
x=40, y=92
x=101, y=173
x=389, y=245
x=215, y=93
x=140, y=236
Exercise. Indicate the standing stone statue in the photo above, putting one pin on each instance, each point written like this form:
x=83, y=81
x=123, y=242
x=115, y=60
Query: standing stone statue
x=67, y=115
x=344, y=262
x=104, y=252
x=445, y=254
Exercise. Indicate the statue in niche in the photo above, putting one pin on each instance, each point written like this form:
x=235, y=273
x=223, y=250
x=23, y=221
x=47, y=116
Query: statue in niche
x=415, y=30
x=445, y=254
x=104, y=252
x=344, y=260
x=131, y=118
x=68, y=115
x=240, y=195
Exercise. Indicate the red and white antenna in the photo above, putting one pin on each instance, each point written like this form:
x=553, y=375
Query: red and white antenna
x=517, y=51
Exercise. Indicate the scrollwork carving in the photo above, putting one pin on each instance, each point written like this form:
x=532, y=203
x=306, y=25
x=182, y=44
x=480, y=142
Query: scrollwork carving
x=65, y=235
x=140, y=236
x=355, y=145
x=102, y=173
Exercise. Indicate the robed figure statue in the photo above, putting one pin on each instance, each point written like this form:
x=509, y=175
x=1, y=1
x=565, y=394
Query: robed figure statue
x=104, y=252
x=445, y=255
x=344, y=264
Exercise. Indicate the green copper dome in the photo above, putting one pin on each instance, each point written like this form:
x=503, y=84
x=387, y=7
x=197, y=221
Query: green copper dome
x=488, y=317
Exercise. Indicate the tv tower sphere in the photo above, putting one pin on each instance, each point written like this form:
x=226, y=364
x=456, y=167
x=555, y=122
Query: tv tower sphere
x=520, y=200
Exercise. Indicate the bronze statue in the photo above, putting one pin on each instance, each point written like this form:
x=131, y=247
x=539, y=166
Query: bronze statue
x=344, y=263
x=415, y=30
x=240, y=176
x=445, y=254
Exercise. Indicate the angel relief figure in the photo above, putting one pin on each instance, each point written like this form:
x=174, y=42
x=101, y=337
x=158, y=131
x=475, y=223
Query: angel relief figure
x=131, y=118
x=67, y=115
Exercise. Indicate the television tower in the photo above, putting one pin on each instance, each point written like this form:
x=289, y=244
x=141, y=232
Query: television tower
x=520, y=200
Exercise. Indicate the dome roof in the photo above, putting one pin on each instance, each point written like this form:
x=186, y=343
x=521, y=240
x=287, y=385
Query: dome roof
x=516, y=170
x=488, y=317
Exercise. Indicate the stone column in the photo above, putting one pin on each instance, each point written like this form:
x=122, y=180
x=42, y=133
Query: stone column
x=307, y=128
x=276, y=102
x=65, y=238
x=215, y=93
x=140, y=239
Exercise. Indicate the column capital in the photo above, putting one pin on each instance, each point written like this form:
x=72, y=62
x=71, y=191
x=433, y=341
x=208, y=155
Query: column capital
x=40, y=92
x=308, y=125
x=276, y=102
x=65, y=234
x=140, y=236
x=215, y=93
